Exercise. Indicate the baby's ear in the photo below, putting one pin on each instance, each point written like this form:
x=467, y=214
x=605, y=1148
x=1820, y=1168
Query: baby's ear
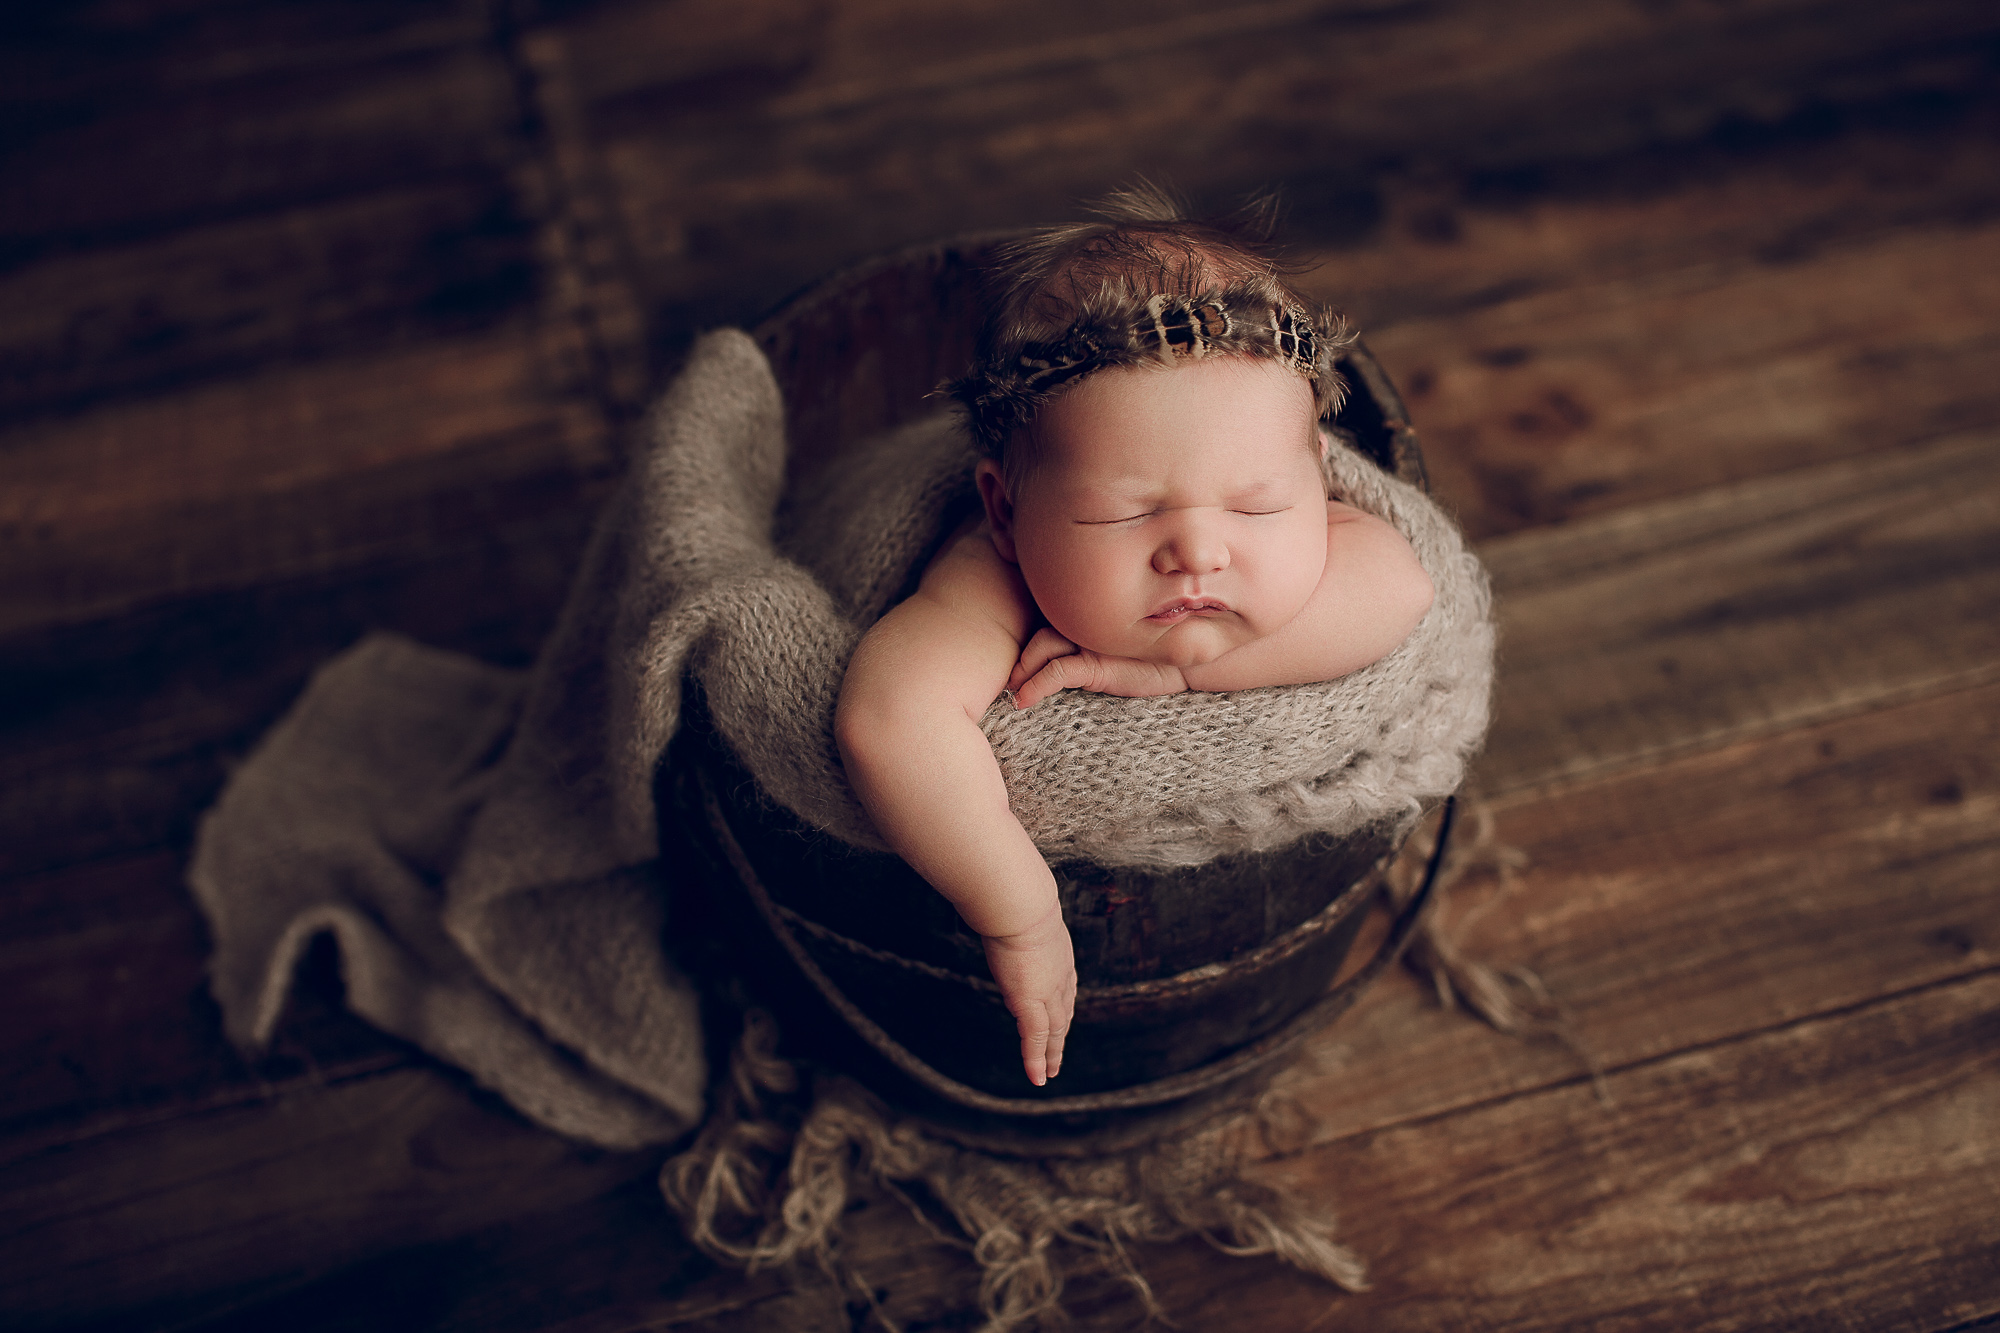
x=999, y=509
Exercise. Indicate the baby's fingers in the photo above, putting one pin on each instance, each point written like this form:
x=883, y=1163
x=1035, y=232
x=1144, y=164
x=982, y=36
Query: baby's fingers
x=1045, y=647
x=1058, y=1034
x=1051, y=1031
x=1104, y=675
x=1033, y=1022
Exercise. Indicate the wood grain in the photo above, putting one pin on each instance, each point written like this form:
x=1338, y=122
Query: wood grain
x=1694, y=902
x=1559, y=338
x=287, y=474
x=277, y=1192
x=1744, y=609
x=1604, y=391
x=376, y=518
x=118, y=733
x=1836, y=1174
x=326, y=108
x=1765, y=196
x=103, y=972
x=613, y=1264
x=809, y=134
x=426, y=262
x=61, y=54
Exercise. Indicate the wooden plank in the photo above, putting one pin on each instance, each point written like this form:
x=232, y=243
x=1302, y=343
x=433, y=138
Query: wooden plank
x=249, y=126
x=291, y=473
x=1672, y=910
x=611, y=1264
x=104, y=976
x=361, y=273
x=590, y=274
x=1746, y=609
x=274, y=1194
x=1445, y=242
x=1611, y=389
x=619, y=1252
x=616, y=1264
x=117, y=734
x=64, y=54
x=805, y=137
x=1834, y=1174
x=1690, y=903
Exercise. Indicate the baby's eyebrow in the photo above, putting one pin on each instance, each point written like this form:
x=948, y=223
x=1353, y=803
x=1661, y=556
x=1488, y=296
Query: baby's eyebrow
x=1259, y=490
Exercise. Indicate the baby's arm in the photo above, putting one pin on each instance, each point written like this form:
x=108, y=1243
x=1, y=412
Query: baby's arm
x=908, y=728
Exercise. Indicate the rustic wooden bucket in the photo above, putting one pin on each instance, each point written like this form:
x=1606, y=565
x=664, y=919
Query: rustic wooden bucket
x=1190, y=979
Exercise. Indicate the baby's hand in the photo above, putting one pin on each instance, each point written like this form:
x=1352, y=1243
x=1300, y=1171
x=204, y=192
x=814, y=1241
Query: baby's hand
x=1050, y=663
x=1036, y=970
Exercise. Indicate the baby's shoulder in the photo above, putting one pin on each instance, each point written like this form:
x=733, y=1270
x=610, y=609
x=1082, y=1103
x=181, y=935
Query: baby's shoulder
x=969, y=577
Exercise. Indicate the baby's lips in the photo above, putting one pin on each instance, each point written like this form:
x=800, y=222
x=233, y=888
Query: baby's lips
x=1179, y=606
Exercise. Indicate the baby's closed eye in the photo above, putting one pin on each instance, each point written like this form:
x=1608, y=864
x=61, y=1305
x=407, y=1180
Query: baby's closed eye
x=1240, y=510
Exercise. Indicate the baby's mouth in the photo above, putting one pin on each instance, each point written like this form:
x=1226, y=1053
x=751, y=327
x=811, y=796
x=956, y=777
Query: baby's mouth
x=1180, y=608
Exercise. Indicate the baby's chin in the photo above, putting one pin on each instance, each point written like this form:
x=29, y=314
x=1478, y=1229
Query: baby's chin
x=1194, y=643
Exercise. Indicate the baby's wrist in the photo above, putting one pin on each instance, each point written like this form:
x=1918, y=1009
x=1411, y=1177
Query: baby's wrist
x=1049, y=920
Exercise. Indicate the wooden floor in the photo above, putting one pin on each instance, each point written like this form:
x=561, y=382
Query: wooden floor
x=317, y=315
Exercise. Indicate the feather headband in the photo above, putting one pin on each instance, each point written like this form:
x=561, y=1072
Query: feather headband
x=1123, y=328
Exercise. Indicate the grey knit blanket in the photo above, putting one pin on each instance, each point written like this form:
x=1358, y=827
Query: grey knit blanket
x=482, y=843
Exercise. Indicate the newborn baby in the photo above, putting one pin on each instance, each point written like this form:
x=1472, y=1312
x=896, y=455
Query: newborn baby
x=1155, y=520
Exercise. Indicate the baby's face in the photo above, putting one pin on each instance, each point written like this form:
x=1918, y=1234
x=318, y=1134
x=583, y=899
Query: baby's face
x=1175, y=514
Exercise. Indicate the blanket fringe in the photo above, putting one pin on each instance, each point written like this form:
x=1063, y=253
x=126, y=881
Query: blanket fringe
x=1510, y=999
x=767, y=1181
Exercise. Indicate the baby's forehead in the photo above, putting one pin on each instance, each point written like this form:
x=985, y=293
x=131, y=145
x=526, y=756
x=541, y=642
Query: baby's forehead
x=1125, y=474
x=1090, y=468
x=1133, y=407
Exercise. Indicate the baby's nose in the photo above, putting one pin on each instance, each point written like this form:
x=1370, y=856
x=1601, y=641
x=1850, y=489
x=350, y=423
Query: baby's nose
x=1192, y=547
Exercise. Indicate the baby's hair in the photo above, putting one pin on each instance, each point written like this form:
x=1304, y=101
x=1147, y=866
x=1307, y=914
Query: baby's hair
x=1145, y=242
x=1145, y=284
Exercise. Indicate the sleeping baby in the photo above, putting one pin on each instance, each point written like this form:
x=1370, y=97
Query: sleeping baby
x=1155, y=519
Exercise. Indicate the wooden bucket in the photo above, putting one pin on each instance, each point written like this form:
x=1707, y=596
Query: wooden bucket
x=1190, y=980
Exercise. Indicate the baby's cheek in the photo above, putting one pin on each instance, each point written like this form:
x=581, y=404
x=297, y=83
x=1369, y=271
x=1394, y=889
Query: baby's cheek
x=1067, y=588
x=1055, y=599
x=1293, y=579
